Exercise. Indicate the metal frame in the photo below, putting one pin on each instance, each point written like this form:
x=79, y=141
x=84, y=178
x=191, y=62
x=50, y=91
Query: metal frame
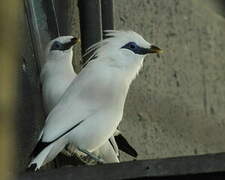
x=95, y=17
x=189, y=167
x=42, y=28
x=107, y=10
x=90, y=23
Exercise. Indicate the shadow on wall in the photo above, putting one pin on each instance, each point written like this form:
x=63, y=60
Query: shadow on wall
x=217, y=6
x=188, y=125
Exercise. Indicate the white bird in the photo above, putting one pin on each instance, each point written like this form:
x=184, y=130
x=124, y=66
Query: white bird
x=56, y=75
x=90, y=110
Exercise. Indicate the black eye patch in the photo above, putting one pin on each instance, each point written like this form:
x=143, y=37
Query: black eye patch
x=57, y=46
x=63, y=46
x=132, y=46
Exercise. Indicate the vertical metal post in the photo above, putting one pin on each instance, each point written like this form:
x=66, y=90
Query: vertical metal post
x=107, y=14
x=62, y=15
x=51, y=17
x=90, y=23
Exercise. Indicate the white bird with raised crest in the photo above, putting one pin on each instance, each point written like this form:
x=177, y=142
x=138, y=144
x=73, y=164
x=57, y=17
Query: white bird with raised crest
x=90, y=110
x=56, y=75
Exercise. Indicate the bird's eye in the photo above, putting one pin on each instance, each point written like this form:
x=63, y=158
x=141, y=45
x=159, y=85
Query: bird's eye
x=132, y=46
x=56, y=46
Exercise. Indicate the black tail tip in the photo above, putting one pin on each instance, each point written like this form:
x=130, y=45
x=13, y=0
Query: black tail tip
x=124, y=146
x=31, y=168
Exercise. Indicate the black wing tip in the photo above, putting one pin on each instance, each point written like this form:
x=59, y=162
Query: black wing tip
x=39, y=147
x=132, y=152
x=124, y=146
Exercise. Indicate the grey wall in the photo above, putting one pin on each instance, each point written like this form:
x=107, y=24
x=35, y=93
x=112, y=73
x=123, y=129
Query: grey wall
x=176, y=106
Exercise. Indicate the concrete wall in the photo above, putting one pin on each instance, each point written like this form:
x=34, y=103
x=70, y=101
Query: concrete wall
x=176, y=105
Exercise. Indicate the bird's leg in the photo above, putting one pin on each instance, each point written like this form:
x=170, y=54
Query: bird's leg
x=99, y=160
x=69, y=150
x=66, y=151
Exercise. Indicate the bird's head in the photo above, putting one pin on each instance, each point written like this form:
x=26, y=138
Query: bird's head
x=61, y=46
x=124, y=47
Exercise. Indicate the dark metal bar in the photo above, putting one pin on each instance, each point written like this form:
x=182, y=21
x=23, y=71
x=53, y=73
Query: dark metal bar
x=31, y=15
x=52, y=20
x=180, y=168
x=62, y=9
x=37, y=12
x=90, y=22
x=107, y=14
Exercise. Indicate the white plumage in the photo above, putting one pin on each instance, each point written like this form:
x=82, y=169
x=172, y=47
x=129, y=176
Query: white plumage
x=91, y=109
x=56, y=75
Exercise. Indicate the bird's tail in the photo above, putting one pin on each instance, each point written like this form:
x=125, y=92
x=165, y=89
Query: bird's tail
x=41, y=158
x=124, y=146
x=47, y=154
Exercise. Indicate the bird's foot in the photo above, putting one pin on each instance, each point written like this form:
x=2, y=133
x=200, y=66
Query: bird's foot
x=92, y=156
x=67, y=153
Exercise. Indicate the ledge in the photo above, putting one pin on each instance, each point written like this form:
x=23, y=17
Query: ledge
x=211, y=165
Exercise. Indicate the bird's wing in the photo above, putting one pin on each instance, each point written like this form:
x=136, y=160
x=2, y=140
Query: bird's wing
x=42, y=145
x=81, y=100
x=66, y=117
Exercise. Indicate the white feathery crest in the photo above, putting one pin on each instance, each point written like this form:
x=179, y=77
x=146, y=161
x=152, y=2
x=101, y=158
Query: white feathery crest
x=110, y=35
x=92, y=48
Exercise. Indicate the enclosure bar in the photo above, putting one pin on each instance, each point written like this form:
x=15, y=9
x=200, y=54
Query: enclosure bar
x=180, y=167
x=31, y=16
x=64, y=11
x=52, y=19
x=43, y=25
x=90, y=23
x=107, y=14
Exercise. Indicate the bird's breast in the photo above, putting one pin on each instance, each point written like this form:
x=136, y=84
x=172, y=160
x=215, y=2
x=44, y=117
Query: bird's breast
x=105, y=89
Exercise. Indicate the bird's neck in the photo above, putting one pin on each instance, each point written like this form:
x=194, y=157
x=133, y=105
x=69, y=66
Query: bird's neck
x=132, y=70
x=62, y=64
x=122, y=78
x=57, y=68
